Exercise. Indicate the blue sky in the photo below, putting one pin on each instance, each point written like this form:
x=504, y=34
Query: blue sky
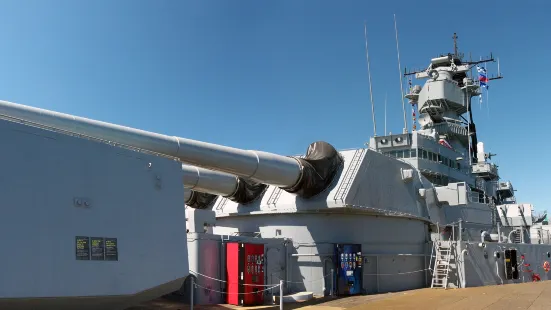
x=277, y=75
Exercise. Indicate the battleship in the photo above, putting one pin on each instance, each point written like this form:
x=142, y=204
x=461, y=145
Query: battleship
x=105, y=216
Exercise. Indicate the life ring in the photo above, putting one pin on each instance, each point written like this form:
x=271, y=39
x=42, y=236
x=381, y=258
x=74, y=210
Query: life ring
x=546, y=266
x=433, y=74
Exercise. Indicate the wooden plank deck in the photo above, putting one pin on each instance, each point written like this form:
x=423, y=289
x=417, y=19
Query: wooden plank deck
x=526, y=296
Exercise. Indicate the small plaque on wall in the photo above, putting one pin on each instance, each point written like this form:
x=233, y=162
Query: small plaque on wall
x=98, y=248
x=82, y=248
x=111, y=249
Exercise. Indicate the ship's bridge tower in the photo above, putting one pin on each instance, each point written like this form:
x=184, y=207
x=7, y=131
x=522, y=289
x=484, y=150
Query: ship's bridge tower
x=440, y=149
x=445, y=96
x=444, y=149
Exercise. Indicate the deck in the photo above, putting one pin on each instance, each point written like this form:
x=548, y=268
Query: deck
x=526, y=296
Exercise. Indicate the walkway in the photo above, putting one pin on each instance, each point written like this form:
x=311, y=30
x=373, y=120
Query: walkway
x=526, y=296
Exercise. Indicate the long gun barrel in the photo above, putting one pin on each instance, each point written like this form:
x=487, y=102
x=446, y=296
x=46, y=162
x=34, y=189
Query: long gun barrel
x=305, y=176
x=209, y=182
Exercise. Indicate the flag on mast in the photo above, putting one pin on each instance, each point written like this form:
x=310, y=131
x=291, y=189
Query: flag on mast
x=483, y=80
x=482, y=77
x=412, y=106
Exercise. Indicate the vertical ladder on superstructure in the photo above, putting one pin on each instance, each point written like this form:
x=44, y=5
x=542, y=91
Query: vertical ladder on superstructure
x=440, y=275
x=518, y=235
x=351, y=172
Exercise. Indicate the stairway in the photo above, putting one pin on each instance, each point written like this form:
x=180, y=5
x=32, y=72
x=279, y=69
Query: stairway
x=443, y=253
x=518, y=235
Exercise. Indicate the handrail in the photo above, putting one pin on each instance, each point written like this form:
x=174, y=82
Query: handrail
x=431, y=254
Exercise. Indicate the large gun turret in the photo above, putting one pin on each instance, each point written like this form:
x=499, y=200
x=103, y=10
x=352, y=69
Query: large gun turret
x=306, y=176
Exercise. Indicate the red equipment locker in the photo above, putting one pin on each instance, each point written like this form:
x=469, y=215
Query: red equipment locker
x=244, y=271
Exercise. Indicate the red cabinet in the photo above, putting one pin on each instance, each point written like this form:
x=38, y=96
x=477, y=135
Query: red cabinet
x=245, y=273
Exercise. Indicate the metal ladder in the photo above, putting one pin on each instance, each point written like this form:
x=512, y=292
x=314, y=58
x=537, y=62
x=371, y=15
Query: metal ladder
x=274, y=196
x=441, y=265
x=350, y=174
x=518, y=235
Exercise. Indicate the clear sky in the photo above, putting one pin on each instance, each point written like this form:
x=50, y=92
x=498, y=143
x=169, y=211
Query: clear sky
x=278, y=75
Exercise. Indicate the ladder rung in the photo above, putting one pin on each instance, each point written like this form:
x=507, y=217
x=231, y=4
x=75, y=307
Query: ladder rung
x=443, y=255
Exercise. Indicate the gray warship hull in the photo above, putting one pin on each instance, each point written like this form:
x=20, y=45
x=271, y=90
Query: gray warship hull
x=387, y=207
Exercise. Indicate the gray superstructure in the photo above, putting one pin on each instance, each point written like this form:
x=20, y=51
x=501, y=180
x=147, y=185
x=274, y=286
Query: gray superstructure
x=427, y=207
x=408, y=199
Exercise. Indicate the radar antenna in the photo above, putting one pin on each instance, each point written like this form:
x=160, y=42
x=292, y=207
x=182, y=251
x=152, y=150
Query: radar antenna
x=455, y=47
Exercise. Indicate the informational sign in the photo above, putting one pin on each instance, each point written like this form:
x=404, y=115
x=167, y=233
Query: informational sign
x=82, y=248
x=98, y=248
x=111, y=249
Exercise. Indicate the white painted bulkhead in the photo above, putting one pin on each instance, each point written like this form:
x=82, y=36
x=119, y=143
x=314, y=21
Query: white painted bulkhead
x=479, y=266
x=123, y=194
x=390, y=245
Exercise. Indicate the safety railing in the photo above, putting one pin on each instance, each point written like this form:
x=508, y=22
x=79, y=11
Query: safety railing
x=281, y=285
x=266, y=287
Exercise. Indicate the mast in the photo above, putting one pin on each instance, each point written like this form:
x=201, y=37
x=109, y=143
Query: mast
x=456, y=47
x=455, y=50
x=400, y=74
x=386, y=95
x=370, y=87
